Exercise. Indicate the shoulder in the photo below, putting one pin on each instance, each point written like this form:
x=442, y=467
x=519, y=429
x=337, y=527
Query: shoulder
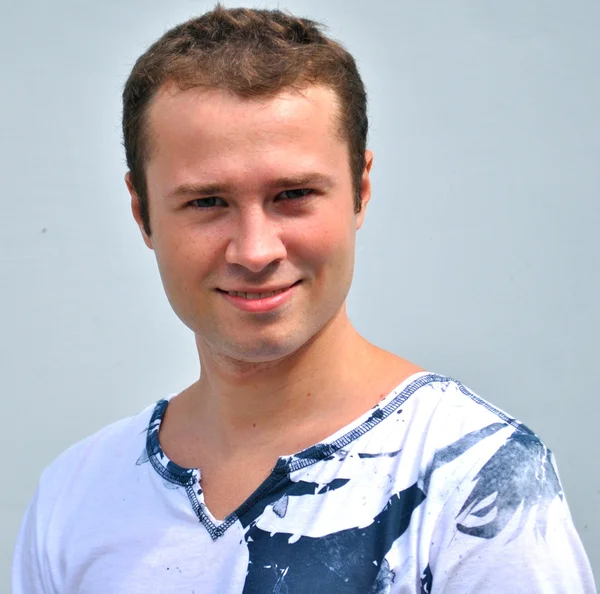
x=461, y=436
x=441, y=394
x=480, y=455
x=450, y=415
x=97, y=453
x=88, y=467
x=493, y=501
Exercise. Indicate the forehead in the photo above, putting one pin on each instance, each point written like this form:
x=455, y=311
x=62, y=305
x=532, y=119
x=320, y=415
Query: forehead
x=217, y=119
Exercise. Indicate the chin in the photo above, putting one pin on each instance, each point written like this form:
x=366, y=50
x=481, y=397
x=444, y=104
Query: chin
x=263, y=349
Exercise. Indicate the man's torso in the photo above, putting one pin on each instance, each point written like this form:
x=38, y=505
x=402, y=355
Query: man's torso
x=362, y=511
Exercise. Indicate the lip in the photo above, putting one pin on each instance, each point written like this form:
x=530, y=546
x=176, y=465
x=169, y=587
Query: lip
x=260, y=305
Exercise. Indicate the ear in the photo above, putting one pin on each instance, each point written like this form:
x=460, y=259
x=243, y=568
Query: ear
x=137, y=210
x=365, y=188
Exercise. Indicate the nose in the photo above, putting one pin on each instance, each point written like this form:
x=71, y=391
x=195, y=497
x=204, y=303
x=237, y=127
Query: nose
x=255, y=242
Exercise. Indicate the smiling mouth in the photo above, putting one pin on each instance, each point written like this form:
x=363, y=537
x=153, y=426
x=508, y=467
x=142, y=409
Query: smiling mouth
x=252, y=296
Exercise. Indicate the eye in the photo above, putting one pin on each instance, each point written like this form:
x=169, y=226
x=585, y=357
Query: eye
x=209, y=202
x=294, y=194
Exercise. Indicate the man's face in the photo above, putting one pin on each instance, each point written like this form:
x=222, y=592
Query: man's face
x=248, y=197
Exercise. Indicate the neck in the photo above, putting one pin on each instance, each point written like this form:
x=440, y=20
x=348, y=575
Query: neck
x=281, y=407
x=233, y=399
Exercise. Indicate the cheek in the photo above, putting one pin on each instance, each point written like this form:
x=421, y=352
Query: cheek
x=328, y=248
x=184, y=257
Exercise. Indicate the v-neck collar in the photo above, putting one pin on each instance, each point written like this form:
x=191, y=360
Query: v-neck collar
x=189, y=478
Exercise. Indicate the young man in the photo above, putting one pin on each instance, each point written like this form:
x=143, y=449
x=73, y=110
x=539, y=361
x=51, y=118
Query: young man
x=304, y=459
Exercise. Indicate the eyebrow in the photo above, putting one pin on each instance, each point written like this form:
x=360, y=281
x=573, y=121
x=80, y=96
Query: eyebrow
x=312, y=178
x=198, y=190
x=214, y=189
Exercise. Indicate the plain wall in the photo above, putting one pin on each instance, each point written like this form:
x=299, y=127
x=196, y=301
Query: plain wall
x=479, y=257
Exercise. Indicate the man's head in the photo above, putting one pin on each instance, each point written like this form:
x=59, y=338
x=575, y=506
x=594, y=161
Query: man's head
x=251, y=183
x=252, y=54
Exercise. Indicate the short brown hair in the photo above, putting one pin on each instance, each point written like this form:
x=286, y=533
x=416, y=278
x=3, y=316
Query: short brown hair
x=252, y=53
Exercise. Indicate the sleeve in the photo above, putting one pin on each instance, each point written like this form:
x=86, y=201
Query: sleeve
x=506, y=528
x=30, y=573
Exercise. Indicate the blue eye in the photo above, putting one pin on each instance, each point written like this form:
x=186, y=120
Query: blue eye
x=294, y=194
x=209, y=202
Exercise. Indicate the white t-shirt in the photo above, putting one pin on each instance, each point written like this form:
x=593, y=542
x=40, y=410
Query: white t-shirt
x=432, y=491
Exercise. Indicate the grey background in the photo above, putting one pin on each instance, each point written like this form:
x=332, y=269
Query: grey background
x=478, y=259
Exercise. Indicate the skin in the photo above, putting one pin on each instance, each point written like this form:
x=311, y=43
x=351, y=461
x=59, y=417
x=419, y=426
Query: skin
x=252, y=195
